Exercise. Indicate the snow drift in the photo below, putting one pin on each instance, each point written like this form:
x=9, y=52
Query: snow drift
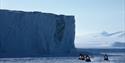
x=24, y=34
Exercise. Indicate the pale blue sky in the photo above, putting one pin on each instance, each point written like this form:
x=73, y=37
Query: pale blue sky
x=91, y=15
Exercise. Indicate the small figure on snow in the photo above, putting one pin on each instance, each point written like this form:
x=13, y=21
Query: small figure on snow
x=88, y=58
x=81, y=57
x=106, y=57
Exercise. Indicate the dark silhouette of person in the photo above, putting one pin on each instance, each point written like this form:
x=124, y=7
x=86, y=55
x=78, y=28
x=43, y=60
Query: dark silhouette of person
x=88, y=58
x=81, y=57
x=106, y=57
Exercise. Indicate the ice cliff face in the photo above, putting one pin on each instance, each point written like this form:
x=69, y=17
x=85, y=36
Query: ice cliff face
x=35, y=34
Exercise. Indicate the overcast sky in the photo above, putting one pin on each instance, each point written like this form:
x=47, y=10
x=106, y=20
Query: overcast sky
x=91, y=16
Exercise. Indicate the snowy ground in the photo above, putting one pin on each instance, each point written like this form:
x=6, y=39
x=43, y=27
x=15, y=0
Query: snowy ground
x=113, y=59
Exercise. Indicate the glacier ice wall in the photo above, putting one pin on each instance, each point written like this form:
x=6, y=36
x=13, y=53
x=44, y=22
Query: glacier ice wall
x=24, y=34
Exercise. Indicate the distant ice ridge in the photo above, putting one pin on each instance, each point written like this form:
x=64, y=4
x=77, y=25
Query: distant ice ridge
x=101, y=40
x=35, y=34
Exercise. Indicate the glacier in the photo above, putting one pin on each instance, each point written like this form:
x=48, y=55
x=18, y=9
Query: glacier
x=35, y=34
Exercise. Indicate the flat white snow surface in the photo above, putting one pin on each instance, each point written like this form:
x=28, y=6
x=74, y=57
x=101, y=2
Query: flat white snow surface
x=99, y=59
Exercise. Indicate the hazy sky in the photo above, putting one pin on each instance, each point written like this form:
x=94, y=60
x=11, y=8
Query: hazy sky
x=91, y=15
